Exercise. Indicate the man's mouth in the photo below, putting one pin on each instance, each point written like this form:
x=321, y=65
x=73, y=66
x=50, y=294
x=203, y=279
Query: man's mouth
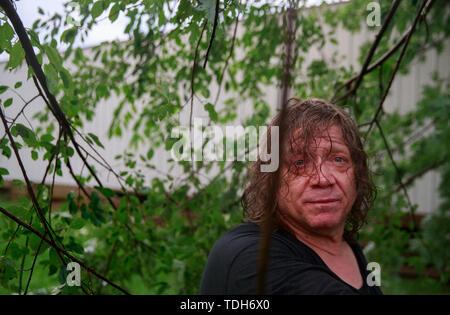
x=324, y=201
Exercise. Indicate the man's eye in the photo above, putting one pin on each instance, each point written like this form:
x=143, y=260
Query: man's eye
x=300, y=163
x=338, y=159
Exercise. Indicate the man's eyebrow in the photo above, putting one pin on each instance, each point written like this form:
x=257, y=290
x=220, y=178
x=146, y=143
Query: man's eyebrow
x=338, y=146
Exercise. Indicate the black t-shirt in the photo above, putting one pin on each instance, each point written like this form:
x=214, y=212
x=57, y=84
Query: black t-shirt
x=293, y=267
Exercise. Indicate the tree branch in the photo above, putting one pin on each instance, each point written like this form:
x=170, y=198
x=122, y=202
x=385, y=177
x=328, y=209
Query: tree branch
x=420, y=173
x=192, y=82
x=228, y=60
x=49, y=98
x=27, y=181
x=371, y=51
x=397, y=66
x=58, y=249
x=213, y=34
x=397, y=173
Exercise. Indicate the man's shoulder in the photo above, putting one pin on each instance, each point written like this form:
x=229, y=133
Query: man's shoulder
x=248, y=235
x=247, y=231
x=244, y=235
x=242, y=243
x=224, y=253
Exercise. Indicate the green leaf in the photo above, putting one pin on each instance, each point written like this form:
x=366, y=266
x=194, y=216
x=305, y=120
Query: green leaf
x=84, y=212
x=6, y=151
x=15, y=251
x=62, y=274
x=34, y=155
x=107, y=192
x=35, y=240
x=184, y=11
x=114, y=12
x=210, y=7
x=18, y=183
x=66, y=78
x=72, y=207
x=3, y=88
x=4, y=171
x=18, y=84
x=53, y=257
x=7, y=270
x=8, y=102
x=20, y=211
x=77, y=248
x=68, y=151
x=54, y=57
x=47, y=138
x=161, y=18
x=122, y=215
x=52, y=270
x=77, y=223
x=150, y=153
x=96, y=140
x=34, y=37
x=97, y=9
x=26, y=133
x=6, y=34
x=16, y=55
x=51, y=75
x=212, y=112
x=68, y=36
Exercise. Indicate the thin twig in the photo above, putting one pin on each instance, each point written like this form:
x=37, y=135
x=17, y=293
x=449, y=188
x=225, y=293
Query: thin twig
x=397, y=173
x=228, y=60
x=80, y=186
x=10, y=240
x=192, y=82
x=213, y=34
x=420, y=173
x=22, y=264
x=32, y=266
x=21, y=111
x=108, y=264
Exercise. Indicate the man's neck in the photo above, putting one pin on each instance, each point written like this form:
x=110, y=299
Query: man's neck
x=330, y=242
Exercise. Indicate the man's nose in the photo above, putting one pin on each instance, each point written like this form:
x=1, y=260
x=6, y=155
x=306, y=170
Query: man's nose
x=322, y=176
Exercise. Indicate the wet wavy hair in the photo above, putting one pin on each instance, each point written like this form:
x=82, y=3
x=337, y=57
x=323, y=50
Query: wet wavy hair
x=304, y=121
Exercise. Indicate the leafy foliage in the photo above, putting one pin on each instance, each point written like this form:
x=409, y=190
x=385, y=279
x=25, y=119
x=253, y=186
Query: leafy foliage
x=162, y=231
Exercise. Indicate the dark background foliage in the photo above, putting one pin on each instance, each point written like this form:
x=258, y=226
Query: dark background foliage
x=154, y=237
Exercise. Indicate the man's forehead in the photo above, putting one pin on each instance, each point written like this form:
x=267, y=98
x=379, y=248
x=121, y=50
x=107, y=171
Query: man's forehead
x=331, y=136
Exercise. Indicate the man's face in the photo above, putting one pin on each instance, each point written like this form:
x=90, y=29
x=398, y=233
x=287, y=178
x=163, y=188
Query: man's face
x=319, y=199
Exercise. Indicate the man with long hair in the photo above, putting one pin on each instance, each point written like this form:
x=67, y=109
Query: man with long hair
x=324, y=195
